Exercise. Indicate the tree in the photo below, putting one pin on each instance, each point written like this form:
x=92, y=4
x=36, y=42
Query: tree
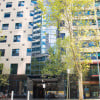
x=3, y=77
x=80, y=31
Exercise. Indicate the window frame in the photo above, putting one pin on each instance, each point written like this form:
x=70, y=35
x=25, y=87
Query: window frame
x=15, y=52
x=20, y=3
x=2, y=52
x=17, y=38
x=19, y=14
x=18, y=25
x=5, y=27
x=15, y=71
x=7, y=16
x=8, y=4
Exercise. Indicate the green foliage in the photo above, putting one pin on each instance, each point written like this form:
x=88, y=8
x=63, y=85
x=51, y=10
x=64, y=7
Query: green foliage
x=3, y=78
x=75, y=11
x=76, y=19
x=54, y=65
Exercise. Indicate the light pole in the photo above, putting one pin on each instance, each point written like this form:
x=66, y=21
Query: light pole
x=44, y=86
x=68, y=84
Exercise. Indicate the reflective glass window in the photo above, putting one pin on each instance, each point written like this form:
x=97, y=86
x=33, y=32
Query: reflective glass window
x=62, y=35
x=3, y=39
x=30, y=25
x=14, y=68
x=17, y=38
x=5, y=26
x=20, y=14
x=1, y=68
x=7, y=15
x=8, y=4
x=33, y=2
x=2, y=52
x=21, y=3
x=18, y=25
x=28, y=68
x=32, y=13
x=30, y=37
x=28, y=51
x=15, y=52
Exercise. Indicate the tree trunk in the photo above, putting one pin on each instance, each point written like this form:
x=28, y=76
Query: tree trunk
x=80, y=86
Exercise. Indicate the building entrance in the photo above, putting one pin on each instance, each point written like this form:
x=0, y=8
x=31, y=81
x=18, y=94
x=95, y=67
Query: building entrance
x=38, y=91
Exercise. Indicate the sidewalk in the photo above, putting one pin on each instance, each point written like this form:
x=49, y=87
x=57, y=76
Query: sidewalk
x=44, y=99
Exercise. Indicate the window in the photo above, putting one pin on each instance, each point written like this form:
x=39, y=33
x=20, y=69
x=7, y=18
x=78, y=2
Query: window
x=20, y=14
x=39, y=12
x=87, y=44
x=39, y=16
x=62, y=23
x=8, y=4
x=38, y=21
x=92, y=44
x=35, y=27
x=5, y=26
x=36, y=37
x=93, y=56
x=31, y=13
x=18, y=25
x=84, y=22
x=7, y=15
x=21, y=3
x=62, y=35
x=98, y=12
x=41, y=58
x=35, y=43
x=14, y=68
x=30, y=37
x=2, y=52
x=38, y=31
x=75, y=33
x=3, y=39
x=98, y=22
x=28, y=68
x=97, y=3
x=15, y=52
x=28, y=51
x=1, y=68
x=33, y=2
x=94, y=69
x=17, y=38
x=30, y=25
x=36, y=49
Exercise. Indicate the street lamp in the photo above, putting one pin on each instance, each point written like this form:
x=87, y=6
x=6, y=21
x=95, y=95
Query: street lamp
x=44, y=86
x=68, y=84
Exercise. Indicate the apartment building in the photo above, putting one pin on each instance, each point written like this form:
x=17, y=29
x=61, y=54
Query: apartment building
x=24, y=39
x=16, y=24
x=92, y=81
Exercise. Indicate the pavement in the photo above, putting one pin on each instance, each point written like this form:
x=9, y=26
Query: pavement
x=43, y=99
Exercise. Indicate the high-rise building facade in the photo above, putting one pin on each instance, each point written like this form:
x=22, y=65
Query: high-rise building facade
x=90, y=46
x=16, y=24
x=25, y=39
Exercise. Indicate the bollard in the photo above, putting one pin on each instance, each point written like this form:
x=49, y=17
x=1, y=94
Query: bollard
x=12, y=95
x=28, y=95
